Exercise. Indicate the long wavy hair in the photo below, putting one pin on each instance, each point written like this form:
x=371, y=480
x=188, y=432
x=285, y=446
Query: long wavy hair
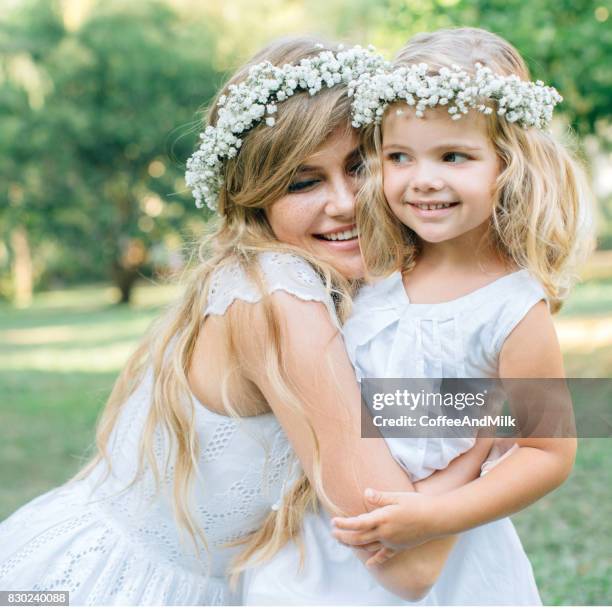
x=542, y=215
x=253, y=180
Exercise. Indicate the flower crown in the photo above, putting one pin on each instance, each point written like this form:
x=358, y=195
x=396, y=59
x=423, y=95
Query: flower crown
x=254, y=100
x=525, y=103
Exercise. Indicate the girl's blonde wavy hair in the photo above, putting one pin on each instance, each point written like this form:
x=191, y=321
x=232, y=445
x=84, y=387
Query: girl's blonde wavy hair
x=259, y=175
x=542, y=214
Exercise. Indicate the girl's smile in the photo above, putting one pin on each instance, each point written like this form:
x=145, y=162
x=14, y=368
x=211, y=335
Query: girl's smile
x=432, y=209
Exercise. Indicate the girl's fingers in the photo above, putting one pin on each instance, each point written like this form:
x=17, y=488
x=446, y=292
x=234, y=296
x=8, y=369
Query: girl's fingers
x=362, y=522
x=387, y=553
x=355, y=538
x=384, y=554
x=375, y=547
x=381, y=498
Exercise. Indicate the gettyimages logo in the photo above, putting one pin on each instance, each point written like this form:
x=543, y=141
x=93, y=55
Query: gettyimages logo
x=425, y=399
x=487, y=407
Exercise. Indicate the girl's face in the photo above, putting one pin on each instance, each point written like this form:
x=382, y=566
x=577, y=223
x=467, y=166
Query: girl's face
x=318, y=211
x=439, y=175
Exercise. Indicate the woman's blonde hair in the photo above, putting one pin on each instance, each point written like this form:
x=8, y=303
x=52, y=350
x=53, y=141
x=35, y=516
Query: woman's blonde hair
x=261, y=173
x=541, y=219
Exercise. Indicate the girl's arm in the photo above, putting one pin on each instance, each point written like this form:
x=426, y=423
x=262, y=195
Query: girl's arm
x=461, y=470
x=315, y=361
x=537, y=467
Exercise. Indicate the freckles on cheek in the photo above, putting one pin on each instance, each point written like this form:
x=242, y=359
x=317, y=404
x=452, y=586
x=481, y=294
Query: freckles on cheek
x=290, y=222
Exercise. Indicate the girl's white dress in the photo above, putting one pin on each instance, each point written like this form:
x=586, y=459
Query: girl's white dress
x=388, y=337
x=108, y=543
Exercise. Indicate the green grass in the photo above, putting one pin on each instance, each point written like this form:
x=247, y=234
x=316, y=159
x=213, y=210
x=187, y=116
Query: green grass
x=58, y=362
x=592, y=299
x=59, y=358
x=567, y=534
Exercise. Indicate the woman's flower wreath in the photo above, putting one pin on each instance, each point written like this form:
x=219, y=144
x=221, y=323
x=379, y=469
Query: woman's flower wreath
x=255, y=99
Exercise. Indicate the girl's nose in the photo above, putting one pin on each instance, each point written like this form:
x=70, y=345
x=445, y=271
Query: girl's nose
x=425, y=178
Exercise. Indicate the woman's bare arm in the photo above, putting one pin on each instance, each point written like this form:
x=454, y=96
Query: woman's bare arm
x=315, y=360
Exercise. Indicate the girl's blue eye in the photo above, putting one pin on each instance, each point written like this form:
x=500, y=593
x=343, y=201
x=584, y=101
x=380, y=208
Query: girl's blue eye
x=302, y=185
x=455, y=157
x=398, y=158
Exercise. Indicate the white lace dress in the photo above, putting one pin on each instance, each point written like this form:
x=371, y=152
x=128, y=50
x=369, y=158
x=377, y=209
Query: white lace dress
x=111, y=544
x=388, y=337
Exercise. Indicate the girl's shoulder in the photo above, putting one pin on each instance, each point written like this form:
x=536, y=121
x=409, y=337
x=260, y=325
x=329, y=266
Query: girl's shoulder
x=505, y=292
x=514, y=296
x=277, y=271
x=482, y=318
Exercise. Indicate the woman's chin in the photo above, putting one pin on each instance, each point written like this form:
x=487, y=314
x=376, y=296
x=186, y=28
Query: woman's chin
x=347, y=261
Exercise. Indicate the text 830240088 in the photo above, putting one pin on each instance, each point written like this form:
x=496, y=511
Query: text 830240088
x=34, y=598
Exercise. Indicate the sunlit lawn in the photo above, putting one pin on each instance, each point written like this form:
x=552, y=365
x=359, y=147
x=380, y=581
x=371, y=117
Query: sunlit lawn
x=58, y=360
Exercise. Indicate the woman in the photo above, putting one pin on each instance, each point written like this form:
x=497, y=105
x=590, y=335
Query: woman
x=194, y=477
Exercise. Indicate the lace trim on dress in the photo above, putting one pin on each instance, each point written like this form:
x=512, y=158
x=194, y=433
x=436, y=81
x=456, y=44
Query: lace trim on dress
x=281, y=271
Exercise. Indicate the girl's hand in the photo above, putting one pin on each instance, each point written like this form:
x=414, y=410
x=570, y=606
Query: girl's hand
x=397, y=521
x=380, y=553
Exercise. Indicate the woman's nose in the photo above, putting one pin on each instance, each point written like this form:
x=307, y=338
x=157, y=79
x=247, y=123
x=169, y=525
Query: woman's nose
x=341, y=199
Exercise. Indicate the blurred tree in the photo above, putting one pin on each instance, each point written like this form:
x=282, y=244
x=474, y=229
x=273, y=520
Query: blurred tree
x=24, y=86
x=97, y=142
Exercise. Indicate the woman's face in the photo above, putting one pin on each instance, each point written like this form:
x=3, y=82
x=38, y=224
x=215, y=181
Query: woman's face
x=318, y=212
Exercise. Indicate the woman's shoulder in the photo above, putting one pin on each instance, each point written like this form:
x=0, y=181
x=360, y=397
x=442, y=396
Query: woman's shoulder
x=291, y=272
x=276, y=270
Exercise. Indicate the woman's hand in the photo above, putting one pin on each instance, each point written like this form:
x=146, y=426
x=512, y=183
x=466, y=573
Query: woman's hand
x=397, y=521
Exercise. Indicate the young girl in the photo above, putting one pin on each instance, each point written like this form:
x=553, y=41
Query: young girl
x=485, y=213
x=482, y=216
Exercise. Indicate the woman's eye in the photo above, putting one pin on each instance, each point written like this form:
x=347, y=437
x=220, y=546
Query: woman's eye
x=398, y=158
x=455, y=158
x=302, y=185
x=356, y=168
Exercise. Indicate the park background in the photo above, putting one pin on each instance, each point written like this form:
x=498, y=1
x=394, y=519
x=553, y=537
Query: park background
x=99, y=109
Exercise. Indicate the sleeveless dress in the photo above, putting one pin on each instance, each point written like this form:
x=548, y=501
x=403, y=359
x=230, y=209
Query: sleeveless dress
x=112, y=544
x=387, y=336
